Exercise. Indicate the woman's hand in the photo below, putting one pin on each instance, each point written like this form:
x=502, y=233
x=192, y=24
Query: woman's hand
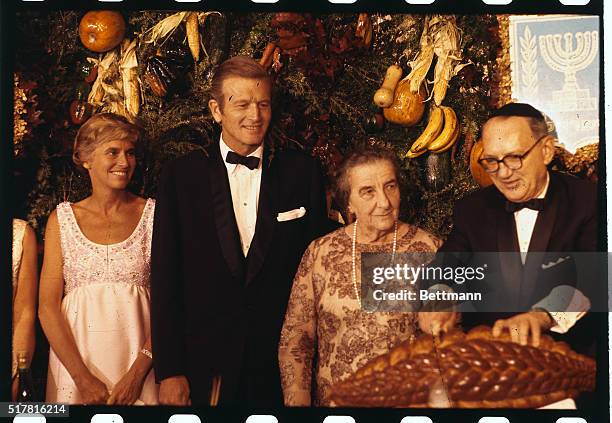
x=128, y=389
x=437, y=322
x=92, y=390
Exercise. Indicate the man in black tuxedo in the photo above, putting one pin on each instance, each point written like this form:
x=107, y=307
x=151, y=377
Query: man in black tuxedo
x=528, y=209
x=231, y=225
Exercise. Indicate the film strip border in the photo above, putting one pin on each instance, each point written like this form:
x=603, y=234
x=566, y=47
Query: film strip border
x=227, y=415
x=591, y=7
x=83, y=414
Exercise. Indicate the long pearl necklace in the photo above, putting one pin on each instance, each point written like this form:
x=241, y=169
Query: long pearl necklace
x=354, y=256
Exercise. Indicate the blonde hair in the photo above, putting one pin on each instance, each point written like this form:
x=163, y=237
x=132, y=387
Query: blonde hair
x=100, y=129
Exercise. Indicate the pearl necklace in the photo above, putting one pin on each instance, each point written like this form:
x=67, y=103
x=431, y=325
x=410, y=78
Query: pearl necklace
x=354, y=256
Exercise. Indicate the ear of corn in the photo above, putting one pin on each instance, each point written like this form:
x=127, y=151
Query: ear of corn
x=202, y=21
x=420, y=66
x=101, y=89
x=440, y=38
x=164, y=27
x=447, y=47
x=422, y=62
x=128, y=66
x=193, y=35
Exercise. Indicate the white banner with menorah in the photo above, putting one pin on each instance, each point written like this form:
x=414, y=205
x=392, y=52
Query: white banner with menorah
x=555, y=67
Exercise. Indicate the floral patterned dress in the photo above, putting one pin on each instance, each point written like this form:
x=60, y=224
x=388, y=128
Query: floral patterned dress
x=324, y=317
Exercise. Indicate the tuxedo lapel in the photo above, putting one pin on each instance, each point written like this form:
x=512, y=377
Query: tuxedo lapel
x=225, y=219
x=540, y=237
x=546, y=220
x=508, y=247
x=266, y=213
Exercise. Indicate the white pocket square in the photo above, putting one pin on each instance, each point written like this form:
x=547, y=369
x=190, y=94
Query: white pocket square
x=554, y=263
x=291, y=214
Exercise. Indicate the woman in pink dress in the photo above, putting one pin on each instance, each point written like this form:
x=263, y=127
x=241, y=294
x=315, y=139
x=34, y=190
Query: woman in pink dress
x=94, y=285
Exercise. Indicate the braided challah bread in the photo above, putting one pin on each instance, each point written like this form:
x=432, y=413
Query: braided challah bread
x=473, y=370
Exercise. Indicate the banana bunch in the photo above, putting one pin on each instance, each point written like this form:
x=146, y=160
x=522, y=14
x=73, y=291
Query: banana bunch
x=440, y=133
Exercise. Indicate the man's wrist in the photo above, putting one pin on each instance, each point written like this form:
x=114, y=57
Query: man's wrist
x=550, y=322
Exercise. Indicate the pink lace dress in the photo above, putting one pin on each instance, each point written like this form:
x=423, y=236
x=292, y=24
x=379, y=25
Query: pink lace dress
x=106, y=305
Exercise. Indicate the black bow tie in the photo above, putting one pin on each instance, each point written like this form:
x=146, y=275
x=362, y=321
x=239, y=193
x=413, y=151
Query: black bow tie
x=533, y=204
x=234, y=158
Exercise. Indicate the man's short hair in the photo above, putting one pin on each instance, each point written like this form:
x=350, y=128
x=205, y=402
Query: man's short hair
x=537, y=123
x=239, y=66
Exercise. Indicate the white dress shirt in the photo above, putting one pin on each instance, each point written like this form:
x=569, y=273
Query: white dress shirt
x=525, y=223
x=244, y=186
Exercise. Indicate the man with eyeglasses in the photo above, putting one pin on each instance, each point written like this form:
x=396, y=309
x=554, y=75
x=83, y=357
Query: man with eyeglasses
x=528, y=209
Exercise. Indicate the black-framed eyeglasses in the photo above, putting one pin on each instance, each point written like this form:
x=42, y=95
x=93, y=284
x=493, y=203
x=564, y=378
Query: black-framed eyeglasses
x=512, y=161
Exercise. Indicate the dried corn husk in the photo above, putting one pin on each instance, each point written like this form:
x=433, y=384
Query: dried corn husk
x=164, y=27
x=103, y=85
x=419, y=67
x=202, y=21
x=128, y=66
x=193, y=34
x=441, y=38
x=447, y=47
x=422, y=62
x=364, y=29
x=97, y=92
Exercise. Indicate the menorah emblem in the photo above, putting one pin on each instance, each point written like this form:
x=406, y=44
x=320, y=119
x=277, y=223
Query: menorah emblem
x=561, y=55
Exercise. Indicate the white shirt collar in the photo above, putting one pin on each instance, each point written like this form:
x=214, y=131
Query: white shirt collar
x=224, y=148
x=543, y=192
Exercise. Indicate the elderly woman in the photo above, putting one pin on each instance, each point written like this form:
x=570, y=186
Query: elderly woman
x=324, y=311
x=94, y=285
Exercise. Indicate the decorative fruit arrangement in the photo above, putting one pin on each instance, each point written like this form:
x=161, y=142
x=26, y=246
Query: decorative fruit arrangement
x=79, y=111
x=101, y=30
x=481, y=177
x=403, y=100
x=449, y=133
x=384, y=96
x=440, y=38
x=407, y=107
x=363, y=30
x=164, y=67
x=193, y=35
x=440, y=134
x=128, y=66
x=270, y=56
x=116, y=83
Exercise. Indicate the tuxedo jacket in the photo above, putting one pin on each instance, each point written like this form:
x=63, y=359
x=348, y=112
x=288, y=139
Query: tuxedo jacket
x=213, y=311
x=568, y=223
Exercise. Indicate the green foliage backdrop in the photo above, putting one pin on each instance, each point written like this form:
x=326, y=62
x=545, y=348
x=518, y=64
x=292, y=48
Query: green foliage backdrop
x=322, y=104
